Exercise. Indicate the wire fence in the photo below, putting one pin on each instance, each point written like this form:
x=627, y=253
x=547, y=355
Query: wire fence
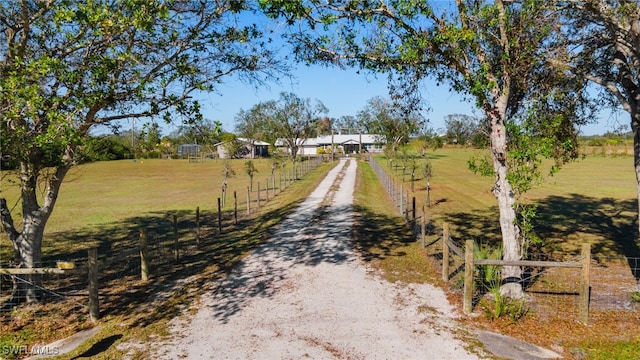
x=552, y=292
x=53, y=287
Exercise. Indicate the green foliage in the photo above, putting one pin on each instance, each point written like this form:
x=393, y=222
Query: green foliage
x=387, y=118
x=502, y=306
x=488, y=276
x=488, y=279
x=481, y=165
x=227, y=171
x=426, y=170
x=290, y=120
x=464, y=130
x=105, y=148
x=250, y=169
x=69, y=66
x=525, y=216
x=277, y=162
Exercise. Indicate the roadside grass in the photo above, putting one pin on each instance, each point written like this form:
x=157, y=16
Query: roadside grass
x=381, y=236
x=384, y=240
x=133, y=310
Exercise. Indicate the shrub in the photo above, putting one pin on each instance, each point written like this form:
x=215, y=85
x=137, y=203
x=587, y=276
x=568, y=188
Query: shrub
x=489, y=280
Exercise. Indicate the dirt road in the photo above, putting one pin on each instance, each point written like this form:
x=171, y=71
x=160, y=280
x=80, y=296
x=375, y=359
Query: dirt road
x=306, y=294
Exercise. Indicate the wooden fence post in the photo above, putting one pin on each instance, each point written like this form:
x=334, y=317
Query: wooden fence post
x=585, y=283
x=219, y=217
x=401, y=199
x=423, y=227
x=248, y=201
x=176, y=240
x=468, y=277
x=445, y=252
x=258, y=194
x=406, y=207
x=198, y=225
x=144, y=266
x=235, y=207
x=413, y=208
x=94, y=306
x=267, y=189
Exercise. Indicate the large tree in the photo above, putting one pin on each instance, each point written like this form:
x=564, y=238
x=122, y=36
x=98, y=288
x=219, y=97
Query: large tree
x=495, y=52
x=201, y=131
x=606, y=36
x=460, y=128
x=389, y=120
x=288, y=121
x=68, y=66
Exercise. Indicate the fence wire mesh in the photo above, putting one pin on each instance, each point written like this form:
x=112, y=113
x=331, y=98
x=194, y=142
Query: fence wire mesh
x=69, y=288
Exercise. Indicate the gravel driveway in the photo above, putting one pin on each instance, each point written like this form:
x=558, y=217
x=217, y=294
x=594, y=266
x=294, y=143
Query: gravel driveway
x=306, y=294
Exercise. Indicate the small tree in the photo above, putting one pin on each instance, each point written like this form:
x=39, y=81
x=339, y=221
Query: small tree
x=412, y=169
x=427, y=173
x=251, y=170
x=460, y=128
x=290, y=120
x=391, y=121
x=227, y=172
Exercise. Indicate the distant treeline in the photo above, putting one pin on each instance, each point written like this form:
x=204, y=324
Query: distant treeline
x=607, y=139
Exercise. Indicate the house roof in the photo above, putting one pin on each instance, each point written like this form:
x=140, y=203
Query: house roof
x=245, y=140
x=350, y=139
x=253, y=141
x=338, y=139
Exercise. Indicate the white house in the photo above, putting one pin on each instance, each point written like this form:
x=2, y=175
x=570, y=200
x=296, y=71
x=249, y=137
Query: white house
x=343, y=143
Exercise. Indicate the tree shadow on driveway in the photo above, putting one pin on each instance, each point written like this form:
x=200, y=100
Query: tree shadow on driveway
x=303, y=239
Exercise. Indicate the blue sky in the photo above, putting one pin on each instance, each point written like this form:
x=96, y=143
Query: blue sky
x=344, y=92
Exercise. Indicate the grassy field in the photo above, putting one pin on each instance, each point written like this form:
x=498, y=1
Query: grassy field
x=106, y=203
x=97, y=196
x=592, y=200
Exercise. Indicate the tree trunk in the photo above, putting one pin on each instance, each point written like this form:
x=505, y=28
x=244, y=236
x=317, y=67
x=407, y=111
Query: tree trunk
x=27, y=244
x=503, y=191
x=635, y=127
